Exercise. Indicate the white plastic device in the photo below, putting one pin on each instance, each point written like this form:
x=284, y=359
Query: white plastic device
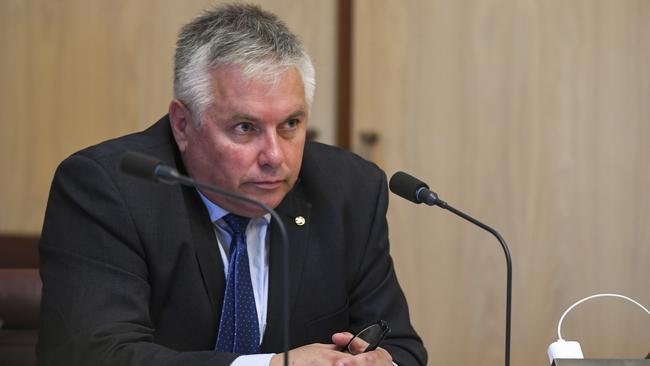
x=564, y=349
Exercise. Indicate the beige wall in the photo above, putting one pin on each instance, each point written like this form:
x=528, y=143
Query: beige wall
x=76, y=72
x=534, y=116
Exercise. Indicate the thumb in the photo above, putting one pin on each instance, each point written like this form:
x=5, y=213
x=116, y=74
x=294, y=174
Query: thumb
x=341, y=339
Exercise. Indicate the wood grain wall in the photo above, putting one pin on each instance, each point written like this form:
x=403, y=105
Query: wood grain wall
x=76, y=72
x=534, y=116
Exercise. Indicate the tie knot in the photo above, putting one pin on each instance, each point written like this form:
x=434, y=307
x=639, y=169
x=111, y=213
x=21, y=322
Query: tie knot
x=237, y=223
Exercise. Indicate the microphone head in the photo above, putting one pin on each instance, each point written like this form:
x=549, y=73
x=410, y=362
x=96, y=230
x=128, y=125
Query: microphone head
x=140, y=165
x=406, y=186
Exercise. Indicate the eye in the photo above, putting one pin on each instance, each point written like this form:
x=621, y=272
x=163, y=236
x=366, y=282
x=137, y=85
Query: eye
x=244, y=127
x=289, y=128
x=292, y=123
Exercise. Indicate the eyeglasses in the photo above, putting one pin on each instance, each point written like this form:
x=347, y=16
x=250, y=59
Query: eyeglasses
x=369, y=338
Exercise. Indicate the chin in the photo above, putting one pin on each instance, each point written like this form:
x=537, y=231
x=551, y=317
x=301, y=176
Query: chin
x=271, y=198
x=273, y=203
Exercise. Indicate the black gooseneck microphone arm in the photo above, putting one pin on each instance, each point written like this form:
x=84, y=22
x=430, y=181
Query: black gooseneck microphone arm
x=146, y=167
x=444, y=205
x=414, y=190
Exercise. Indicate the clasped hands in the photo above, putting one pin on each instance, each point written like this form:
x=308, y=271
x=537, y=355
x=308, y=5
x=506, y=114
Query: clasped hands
x=319, y=354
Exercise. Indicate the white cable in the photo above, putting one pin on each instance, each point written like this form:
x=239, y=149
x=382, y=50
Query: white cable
x=559, y=325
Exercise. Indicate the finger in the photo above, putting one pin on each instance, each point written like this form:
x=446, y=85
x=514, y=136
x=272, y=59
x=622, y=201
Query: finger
x=341, y=339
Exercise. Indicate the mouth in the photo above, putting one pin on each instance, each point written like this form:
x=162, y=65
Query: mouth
x=268, y=184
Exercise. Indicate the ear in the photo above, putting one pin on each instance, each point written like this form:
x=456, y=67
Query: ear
x=181, y=121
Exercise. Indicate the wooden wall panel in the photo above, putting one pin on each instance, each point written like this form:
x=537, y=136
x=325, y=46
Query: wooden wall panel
x=533, y=116
x=76, y=72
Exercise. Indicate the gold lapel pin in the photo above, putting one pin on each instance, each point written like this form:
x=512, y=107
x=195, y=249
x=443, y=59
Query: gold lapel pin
x=300, y=221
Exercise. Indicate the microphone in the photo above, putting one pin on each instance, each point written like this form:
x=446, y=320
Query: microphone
x=148, y=168
x=414, y=190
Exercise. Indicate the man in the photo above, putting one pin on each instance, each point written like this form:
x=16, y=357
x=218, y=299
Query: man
x=142, y=274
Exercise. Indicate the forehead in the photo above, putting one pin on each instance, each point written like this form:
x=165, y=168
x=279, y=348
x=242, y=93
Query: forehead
x=238, y=81
x=264, y=98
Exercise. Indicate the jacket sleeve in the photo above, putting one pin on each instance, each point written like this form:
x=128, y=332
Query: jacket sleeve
x=96, y=292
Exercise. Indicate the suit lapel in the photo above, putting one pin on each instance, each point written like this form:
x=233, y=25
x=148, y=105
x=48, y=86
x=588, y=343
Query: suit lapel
x=198, y=230
x=206, y=248
x=296, y=216
x=201, y=234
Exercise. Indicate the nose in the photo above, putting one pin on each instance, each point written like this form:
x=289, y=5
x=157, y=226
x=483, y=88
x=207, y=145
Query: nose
x=271, y=154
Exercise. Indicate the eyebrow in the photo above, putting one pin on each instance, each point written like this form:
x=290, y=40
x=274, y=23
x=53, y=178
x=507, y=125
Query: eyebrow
x=238, y=116
x=298, y=113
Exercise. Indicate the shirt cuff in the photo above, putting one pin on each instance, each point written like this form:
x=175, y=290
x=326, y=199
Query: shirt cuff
x=253, y=360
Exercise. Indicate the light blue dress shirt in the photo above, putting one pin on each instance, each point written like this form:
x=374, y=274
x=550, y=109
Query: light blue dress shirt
x=257, y=243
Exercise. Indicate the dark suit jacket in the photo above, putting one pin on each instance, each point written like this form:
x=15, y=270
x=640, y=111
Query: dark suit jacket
x=132, y=273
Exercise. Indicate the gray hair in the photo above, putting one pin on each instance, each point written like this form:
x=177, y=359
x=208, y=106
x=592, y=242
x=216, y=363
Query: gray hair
x=236, y=34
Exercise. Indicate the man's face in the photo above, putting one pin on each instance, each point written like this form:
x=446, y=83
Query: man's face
x=251, y=139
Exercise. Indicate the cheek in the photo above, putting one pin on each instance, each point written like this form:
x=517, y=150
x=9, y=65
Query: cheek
x=212, y=161
x=294, y=157
x=235, y=163
x=294, y=161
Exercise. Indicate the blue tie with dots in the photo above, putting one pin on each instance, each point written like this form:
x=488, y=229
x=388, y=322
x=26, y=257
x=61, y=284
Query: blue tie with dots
x=238, y=329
